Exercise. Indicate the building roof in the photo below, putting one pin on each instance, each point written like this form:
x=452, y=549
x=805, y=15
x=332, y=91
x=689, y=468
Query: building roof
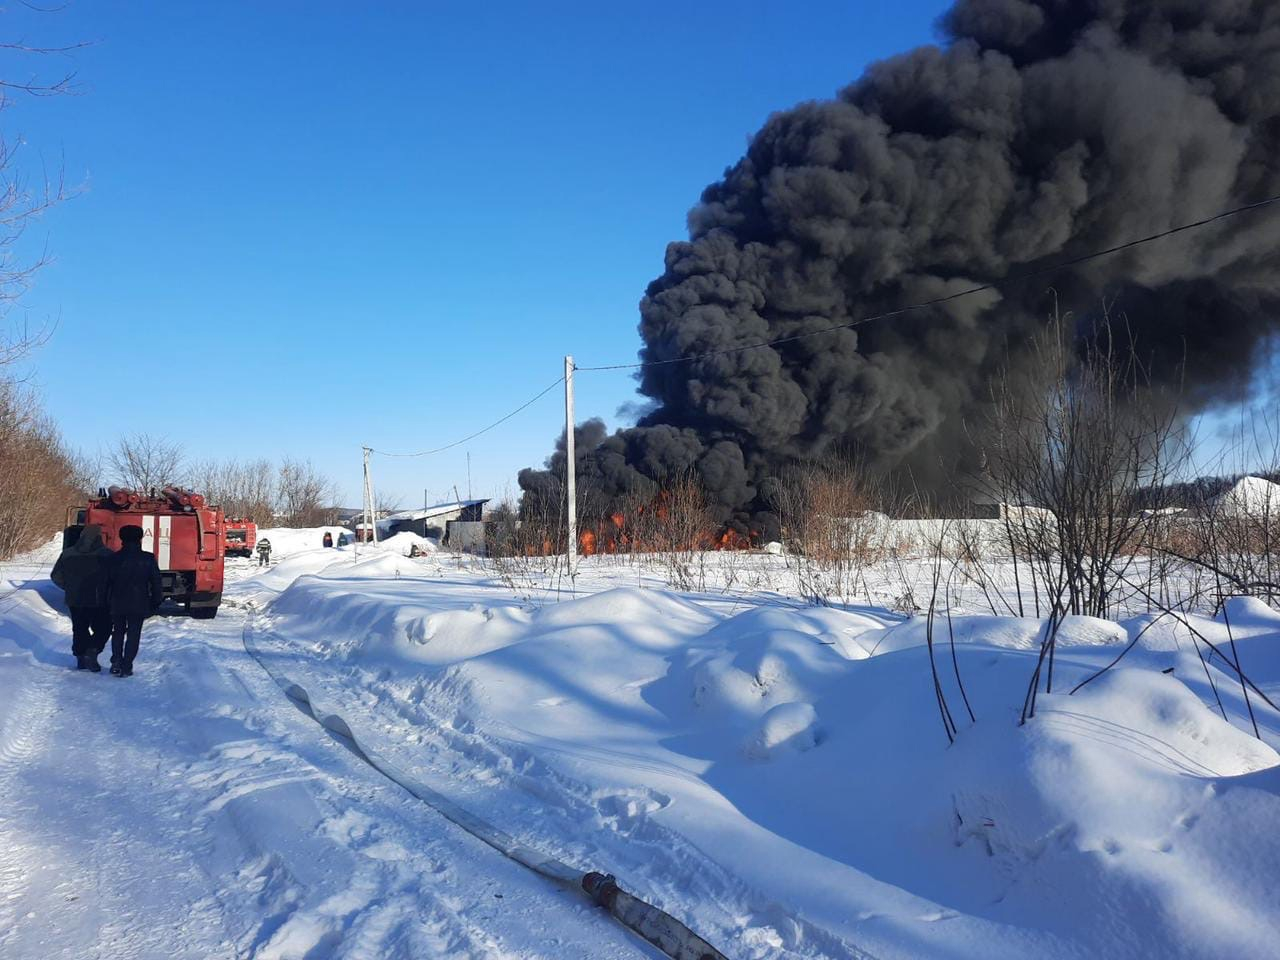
x=439, y=509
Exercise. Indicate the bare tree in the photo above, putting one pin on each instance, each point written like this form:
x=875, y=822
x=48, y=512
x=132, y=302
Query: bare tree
x=37, y=477
x=25, y=194
x=304, y=496
x=86, y=473
x=255, y=491
x=144, y=462
x=208, y=477
x=1075, y=438
x=243, y=489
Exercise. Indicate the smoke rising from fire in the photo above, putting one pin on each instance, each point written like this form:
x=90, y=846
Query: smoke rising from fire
x=1037, y=132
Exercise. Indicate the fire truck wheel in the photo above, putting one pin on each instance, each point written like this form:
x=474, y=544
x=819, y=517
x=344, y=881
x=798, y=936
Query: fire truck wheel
x=203, y=613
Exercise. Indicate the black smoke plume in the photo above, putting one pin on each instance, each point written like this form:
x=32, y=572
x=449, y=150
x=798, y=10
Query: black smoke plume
x=1038, y=131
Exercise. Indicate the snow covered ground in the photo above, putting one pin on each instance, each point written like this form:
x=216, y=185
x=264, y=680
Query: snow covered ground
x=776, y=775
x=193, y=811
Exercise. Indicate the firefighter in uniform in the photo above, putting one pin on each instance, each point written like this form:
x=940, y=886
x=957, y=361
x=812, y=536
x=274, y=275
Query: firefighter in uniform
x=264, y=552
x=134, y=592
x=81, y=571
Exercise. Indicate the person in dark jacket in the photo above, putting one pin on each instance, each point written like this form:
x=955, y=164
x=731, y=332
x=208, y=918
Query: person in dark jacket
x=134, y=592
x=264, y=552
x=327, y=539
x=81, y=572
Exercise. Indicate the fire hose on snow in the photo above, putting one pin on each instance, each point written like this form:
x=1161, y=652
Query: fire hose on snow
x=656, y=926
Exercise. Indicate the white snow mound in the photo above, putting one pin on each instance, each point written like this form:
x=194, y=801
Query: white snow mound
x=1250, y=497
x=786, y=727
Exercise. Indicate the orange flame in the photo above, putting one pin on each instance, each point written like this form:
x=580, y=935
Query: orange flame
x=731, y=539
x=613, y=534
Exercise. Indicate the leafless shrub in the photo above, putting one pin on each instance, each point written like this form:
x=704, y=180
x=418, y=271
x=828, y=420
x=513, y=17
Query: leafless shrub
x=525, y=548
x=506, y=551
x=1233, y=535
x=681, y=527
x=37, y=477
x=937, y=566
x=502, y=529
x=970, y=547
x=1206, y=651
x=830, y=526
x=1074, y=438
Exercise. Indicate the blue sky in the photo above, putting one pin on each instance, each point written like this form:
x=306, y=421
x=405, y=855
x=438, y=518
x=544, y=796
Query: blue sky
x=306, y=227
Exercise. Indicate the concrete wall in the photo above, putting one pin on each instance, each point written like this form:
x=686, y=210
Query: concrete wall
x=467, y=536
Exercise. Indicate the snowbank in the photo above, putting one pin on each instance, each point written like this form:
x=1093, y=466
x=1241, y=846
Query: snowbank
x=776, y=755
x=404, y=542
x=33, y=563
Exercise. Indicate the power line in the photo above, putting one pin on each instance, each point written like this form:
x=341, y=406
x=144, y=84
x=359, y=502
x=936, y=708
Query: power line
x=935, y=301
x=899, y=311
x=449, y=446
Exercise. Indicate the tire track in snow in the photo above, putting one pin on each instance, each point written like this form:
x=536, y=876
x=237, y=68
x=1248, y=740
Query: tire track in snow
x=25, y=729
x=74, y=754
x=399, y=899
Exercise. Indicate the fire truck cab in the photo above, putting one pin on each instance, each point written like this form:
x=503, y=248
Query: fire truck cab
x=186, y=536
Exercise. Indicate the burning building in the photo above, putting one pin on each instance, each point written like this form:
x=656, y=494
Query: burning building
x=1038, y=131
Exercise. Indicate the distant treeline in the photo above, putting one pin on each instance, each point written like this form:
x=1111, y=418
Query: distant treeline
x=39, y=477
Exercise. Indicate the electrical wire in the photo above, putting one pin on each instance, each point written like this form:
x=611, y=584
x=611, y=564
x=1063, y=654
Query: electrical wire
x=936, y=301
x=899, y=311
x=457, y=443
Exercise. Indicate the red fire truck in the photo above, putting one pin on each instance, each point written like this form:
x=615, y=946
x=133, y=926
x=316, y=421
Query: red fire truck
x=242, y=537
x=186, y=536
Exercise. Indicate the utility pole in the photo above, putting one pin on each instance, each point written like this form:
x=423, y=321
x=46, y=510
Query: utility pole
x=468, y=474
x=364, y=496
x=570, y=471
x=355, y=546
x=373, y=505
x=370, y=504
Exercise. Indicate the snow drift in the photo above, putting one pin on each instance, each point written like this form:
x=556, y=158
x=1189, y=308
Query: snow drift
x=783, y=773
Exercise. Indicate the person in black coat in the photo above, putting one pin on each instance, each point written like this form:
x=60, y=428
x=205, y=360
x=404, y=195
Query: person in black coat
x=134, y=592
x=81, y=572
